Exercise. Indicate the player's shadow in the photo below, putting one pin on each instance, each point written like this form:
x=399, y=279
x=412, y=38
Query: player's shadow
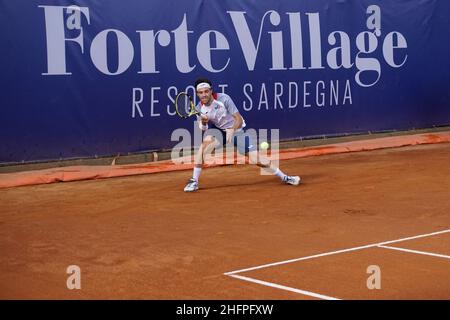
x=237, y=184
x=271, y=181
x=274, y=182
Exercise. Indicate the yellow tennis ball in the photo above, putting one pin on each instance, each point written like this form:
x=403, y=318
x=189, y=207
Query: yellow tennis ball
x=264, y=145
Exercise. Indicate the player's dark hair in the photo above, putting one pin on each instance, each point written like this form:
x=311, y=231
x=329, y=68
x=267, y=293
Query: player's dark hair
x=200, y=80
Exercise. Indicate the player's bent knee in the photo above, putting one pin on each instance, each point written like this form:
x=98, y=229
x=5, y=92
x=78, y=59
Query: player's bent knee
x=207, y=143
x=208, y=139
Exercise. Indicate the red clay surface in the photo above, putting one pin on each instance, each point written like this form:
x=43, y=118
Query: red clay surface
x=143, y=237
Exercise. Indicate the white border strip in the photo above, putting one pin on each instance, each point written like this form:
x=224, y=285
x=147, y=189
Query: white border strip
x=278, y=286
x=416, y=251
x=335, y=252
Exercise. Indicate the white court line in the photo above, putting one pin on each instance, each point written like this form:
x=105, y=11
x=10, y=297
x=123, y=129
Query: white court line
x=278, y=286
x=335, y=252
x=416, y=251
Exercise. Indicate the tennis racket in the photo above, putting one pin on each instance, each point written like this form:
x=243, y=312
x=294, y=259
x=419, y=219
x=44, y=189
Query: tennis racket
x=184, y=106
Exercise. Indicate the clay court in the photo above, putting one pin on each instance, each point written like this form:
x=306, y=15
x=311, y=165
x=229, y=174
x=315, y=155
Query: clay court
x=242, y=235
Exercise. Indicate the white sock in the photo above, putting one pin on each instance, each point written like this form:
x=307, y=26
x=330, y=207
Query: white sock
x=196, y=173
x=279, y=174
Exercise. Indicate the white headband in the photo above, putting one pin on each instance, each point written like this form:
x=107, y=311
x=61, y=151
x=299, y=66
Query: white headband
x=203, y=85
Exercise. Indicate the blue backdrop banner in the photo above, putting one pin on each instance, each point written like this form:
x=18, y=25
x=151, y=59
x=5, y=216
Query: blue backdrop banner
x=94, y=78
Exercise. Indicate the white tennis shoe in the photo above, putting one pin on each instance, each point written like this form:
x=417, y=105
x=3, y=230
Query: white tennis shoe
x=191, y=186
x=292, y=180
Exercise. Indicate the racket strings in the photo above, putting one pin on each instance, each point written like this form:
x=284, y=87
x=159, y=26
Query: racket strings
x=184, y=105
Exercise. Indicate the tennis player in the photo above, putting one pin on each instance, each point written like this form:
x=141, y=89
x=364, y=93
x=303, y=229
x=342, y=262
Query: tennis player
x=219, y=110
